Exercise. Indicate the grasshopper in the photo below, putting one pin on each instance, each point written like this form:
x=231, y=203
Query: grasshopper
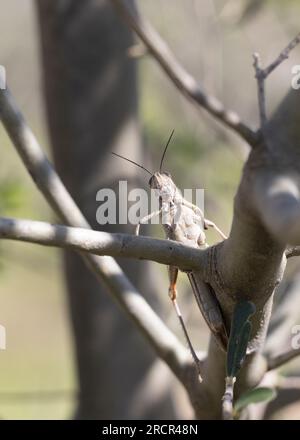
x=185, y=223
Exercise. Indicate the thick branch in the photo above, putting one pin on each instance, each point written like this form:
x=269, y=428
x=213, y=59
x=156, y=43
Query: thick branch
x=277, y=186
x=105, y=268
x=277, y=182
x=102, y=243
x=251, y=262
x=179, y=76
x=278, y=202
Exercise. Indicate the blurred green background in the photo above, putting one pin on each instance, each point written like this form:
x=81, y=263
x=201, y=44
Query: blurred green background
x=214, y=40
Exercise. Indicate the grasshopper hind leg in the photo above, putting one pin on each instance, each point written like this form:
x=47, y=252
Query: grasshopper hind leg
x=173, y=274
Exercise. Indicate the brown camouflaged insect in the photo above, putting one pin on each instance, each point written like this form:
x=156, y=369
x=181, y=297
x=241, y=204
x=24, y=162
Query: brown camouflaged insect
x=185, y=223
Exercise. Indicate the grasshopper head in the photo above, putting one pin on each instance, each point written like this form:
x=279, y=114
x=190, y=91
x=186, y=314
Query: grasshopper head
x=160, y=180
x=163, y=185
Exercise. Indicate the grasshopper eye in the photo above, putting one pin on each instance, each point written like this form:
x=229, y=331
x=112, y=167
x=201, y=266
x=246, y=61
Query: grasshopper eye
x=167, y=174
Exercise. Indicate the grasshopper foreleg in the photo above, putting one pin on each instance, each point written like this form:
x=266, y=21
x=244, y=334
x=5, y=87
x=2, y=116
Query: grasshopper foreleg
x=145, y=219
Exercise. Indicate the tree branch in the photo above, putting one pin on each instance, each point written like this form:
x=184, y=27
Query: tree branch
x=102, y=243
x=282, y=56
x=106, y=269
x=282, y=359
x=262, y=74
x=260, y=89
x=278, y=203
x=186, y=84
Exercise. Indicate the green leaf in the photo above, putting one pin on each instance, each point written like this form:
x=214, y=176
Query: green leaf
x=241, y=348
x=242, y=312
x=239, y=336
x=256, y=395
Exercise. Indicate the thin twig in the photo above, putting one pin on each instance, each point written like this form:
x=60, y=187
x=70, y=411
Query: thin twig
x=262, y=74
x=227, y=400
x=106, y=269
x=103, y=243
x=282, y=359
x=137, y=51
x=282, y=56
x=178, y=75
x=260, y=89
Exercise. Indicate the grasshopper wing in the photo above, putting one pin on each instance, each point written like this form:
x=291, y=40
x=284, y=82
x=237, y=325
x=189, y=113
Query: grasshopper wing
x=210, y=308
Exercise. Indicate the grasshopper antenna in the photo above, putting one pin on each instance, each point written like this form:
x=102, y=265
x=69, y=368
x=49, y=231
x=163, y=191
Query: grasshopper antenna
x=132, y=161
x=165, y=150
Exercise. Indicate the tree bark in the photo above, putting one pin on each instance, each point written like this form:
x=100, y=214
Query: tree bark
x=251, y=262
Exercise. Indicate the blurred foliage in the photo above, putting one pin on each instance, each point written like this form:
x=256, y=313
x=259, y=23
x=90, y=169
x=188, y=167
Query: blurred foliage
x=11, y=196
x=243, y=11
x=256, y=395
